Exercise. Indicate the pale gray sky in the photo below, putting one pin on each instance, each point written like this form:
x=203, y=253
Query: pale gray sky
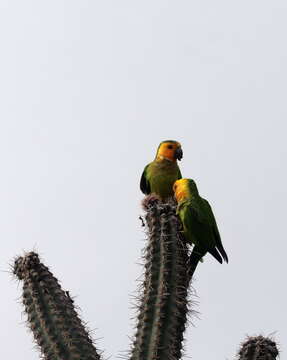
x=88, y=89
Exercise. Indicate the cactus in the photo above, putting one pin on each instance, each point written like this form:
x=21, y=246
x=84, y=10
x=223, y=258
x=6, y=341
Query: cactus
x=163, y=304
x=258, y=348
x=162, y=309
x=57, y=329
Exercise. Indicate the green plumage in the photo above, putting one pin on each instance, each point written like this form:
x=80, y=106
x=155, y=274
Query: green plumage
x=199, y=224
x=158, y=177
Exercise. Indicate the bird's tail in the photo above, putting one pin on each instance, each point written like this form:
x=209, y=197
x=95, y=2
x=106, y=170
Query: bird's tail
x=222, y=252
x=214, y=252
x=195, y=257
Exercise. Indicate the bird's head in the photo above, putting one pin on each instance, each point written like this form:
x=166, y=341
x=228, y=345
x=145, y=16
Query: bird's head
x=184, y=189
x=169, y=150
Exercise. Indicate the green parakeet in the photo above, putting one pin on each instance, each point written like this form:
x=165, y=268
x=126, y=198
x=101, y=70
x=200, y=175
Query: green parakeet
x=199, y=225
x=159, y=176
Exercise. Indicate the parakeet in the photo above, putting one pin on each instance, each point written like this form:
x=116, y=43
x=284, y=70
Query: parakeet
x=159, y=176
x=199, y=225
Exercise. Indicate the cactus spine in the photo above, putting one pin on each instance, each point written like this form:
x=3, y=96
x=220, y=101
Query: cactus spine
x=56, y=327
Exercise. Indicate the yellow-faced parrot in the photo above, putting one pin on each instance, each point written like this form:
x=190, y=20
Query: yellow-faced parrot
x=159, y=176
x=199, y=225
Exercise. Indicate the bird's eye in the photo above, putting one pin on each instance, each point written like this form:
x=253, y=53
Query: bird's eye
x=169, y=146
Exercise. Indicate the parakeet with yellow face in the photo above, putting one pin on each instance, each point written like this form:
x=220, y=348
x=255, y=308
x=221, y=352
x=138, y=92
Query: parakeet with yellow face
x=199, y=225
x=159, y=176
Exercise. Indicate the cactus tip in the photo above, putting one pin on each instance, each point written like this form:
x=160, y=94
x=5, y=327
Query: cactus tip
x=149, y=201
x=23, y=263
x=259, y=347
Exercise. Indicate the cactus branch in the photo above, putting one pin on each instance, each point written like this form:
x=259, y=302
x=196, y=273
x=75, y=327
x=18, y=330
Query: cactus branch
x=163, y=305
x=57, y=328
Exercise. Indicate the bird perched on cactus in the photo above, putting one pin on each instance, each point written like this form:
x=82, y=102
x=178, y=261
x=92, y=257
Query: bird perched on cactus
x=199, y=225
x=159, y=176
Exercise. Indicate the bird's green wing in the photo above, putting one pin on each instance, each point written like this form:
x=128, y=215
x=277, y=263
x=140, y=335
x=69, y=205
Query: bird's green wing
x=211, y=219
x=179, y=176
x=198, y=211
x=144, y=183
x=193, y=219
x=197, y=222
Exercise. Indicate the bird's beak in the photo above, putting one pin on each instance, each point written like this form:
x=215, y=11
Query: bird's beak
x=178, y=153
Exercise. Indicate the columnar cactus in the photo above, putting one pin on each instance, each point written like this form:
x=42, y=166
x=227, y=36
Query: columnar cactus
x=163, y=304
x=258, y=348
x=56, y=327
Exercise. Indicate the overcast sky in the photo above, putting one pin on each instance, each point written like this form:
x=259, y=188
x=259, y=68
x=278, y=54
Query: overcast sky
x=88, y=89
